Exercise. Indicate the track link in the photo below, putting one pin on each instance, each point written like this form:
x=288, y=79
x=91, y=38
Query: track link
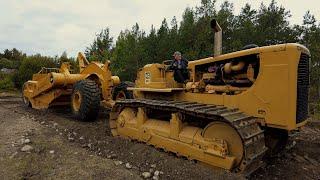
x=247, y=126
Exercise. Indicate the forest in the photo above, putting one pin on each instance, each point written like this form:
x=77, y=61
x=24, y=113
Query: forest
x=135, y=47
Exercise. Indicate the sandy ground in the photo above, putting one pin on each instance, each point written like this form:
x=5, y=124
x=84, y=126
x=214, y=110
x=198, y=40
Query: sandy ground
x=51, y=155
x=63, y=148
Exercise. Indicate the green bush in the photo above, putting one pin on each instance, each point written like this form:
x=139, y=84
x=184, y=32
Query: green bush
x=6, y=82
x=31, y=65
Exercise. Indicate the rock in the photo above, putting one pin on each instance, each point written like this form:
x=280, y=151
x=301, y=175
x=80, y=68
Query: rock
x=312, y=161
x=26, y=148
x=89, y=145
x=153, y=165
x=299, y=158
x=151, y=170
x=60, y=134
x=155, y=177
x=128, y=166
x=13, y=155
x=157, y=173
x=117, y=163
x=112, y=156
x=42, y=122
x=55, y=124
x=26, y=141
x=81, y=138
x=75, y=153
x=70, y=138
x=146, y=175
x=51, y=152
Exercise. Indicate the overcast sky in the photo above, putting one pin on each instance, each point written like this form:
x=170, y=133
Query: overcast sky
x=50, y=27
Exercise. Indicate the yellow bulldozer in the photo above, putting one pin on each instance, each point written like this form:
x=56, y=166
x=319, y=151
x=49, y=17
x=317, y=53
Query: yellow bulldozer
x=233, y=109
x=85, y=91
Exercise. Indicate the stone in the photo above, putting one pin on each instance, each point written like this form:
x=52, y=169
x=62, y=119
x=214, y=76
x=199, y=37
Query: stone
x=51, y=152
x=146, y=175
x=312, y=161
x=128, y=166
x=117, y=163
x=13, y=155
x=153, y=165
x=299, y=158
x=112, y=156
x=26, y=141
x=157, y=173
x=26, y=148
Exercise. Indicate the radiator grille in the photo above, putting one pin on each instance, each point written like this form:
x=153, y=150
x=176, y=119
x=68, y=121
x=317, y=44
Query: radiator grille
x=302, y=88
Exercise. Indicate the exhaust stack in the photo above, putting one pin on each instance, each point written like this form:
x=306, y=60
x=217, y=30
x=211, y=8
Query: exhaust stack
x=217, y=50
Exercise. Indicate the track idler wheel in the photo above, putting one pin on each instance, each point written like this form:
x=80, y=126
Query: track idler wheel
x=85, y=100
x=224, y=131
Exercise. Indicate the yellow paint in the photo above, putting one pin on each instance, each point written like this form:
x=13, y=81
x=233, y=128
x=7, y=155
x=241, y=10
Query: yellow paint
x=49, y=84
x=272, y=97
x=174, y=137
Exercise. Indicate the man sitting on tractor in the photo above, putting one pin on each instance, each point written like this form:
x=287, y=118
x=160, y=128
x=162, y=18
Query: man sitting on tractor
x=180, y=67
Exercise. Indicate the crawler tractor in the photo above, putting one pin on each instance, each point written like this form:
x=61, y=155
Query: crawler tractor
x=233, y=110
x=84, y=91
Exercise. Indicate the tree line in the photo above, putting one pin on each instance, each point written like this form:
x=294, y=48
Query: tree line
x=25, y=66
x=267, y=25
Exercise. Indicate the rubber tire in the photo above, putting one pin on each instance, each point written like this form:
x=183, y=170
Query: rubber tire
x=90, y=100
x=122, y=87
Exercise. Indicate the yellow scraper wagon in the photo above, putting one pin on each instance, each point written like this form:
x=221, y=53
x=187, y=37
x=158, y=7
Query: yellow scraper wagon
x=85, y=91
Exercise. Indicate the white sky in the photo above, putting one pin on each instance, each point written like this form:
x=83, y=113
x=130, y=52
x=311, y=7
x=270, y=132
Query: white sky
x=50, y=27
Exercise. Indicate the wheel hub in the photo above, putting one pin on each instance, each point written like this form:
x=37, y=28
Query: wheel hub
x=224, y=131
x=76, y=101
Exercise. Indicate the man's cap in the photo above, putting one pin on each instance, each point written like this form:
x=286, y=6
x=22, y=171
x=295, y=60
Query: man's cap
x=177, y=53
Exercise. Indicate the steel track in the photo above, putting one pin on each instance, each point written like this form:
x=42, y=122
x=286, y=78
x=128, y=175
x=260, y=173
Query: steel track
x=247, y=126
